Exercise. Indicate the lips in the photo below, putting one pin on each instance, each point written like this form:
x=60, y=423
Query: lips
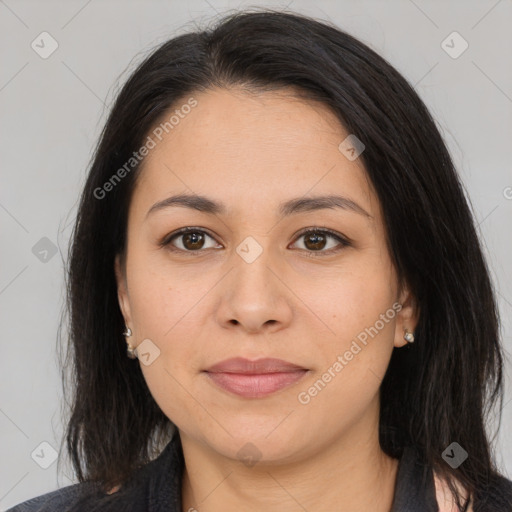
x=246, y=366
x=254, y=379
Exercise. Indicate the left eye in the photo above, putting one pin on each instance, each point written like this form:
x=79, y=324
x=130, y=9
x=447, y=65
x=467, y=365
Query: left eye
x=316, y=240
x=192, y=240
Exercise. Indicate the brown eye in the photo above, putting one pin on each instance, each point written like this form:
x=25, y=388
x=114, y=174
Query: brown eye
x=316, y=240
x=188, y=240
x=193, y=240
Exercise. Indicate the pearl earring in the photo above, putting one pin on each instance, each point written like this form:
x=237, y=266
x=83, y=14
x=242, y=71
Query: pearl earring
x=408, y=336
x=130, y=351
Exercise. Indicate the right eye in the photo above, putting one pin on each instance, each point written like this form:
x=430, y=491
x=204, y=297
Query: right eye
x=189, y=240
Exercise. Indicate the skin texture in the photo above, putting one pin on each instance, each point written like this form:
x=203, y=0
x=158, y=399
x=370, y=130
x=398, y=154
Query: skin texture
x=252, y=151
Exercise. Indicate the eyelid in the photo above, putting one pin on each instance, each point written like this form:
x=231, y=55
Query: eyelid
x=334, y=234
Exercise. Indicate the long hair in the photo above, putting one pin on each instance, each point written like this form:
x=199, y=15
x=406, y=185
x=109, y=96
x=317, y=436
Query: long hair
x=438, y=391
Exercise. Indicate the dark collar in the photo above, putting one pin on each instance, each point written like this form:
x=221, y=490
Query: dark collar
x=414, y=487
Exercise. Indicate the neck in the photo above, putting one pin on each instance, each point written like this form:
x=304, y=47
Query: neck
x=352, y=474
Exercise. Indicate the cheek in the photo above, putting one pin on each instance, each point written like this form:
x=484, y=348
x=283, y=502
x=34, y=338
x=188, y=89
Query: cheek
x=353, y=353
x=350, y=367
x=159, y=298
x=349, y=302
x=170, y=310
x=164, y=312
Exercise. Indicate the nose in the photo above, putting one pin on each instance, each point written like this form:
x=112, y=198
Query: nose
x=254, y=296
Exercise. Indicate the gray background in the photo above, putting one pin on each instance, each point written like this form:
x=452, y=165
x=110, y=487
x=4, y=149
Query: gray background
x=52, y=111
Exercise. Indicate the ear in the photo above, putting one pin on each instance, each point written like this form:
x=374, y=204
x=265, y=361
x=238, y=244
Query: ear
x=122, y=290
x=407, y=317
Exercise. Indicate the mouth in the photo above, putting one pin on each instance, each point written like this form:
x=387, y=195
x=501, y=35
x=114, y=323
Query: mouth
x=254, y=379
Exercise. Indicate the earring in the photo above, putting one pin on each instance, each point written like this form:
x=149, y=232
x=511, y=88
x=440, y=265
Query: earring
x=130, y=351
x=408, y=336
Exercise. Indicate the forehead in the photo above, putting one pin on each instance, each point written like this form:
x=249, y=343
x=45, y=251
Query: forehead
x=252, y=148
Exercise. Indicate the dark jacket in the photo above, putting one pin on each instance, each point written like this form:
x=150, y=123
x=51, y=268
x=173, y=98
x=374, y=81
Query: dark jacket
x=156, y=487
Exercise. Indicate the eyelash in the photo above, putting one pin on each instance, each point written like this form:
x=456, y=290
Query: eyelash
x=344, y=242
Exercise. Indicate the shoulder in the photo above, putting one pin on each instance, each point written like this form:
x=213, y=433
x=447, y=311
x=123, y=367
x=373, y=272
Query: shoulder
x=497, y=495
x=54, y=501
x=132, y=495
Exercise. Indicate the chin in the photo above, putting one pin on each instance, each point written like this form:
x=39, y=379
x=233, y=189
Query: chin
x=258, y=444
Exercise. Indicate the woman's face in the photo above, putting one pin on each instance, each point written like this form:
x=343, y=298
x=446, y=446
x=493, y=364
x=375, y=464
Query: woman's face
x=249, y=283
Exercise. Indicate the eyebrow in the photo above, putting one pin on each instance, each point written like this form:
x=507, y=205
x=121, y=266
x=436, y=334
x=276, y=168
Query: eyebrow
x=287, y=208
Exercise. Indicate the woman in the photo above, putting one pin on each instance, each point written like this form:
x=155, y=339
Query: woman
x=273, y=226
